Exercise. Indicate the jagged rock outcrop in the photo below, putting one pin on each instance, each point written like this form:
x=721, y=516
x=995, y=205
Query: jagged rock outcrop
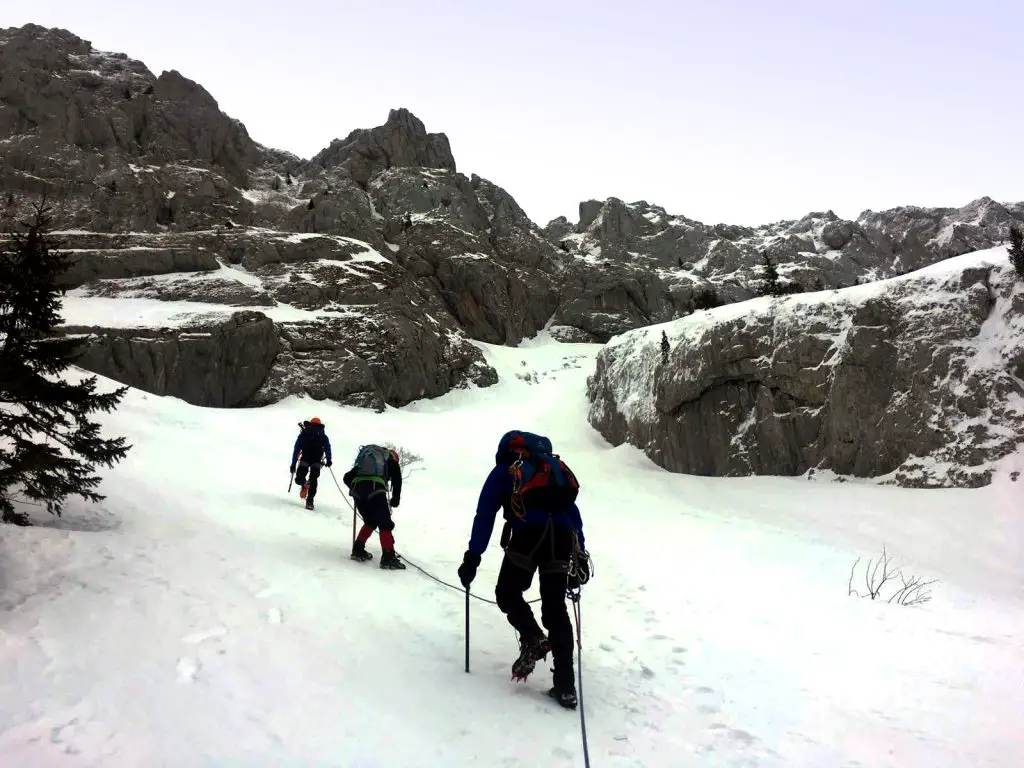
x=220, y=364
x=675, y=265
x=916, y=379
x=120, y=148
x=163, y=196
x=390, y=360
x=470, y=240
x=402, y=141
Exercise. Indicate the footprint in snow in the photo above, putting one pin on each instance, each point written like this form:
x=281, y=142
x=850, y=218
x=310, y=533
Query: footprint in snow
x=198, y=637
x=736, y=734
x=188, y=669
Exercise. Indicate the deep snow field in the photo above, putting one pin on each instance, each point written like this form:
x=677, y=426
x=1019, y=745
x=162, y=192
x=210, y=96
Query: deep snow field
x=200, y=616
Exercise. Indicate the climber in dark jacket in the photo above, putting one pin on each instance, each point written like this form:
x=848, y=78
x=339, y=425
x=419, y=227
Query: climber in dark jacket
x=537, y=537
x=311, y=448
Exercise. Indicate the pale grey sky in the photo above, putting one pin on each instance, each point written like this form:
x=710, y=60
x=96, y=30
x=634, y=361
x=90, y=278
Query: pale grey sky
x=742, y=111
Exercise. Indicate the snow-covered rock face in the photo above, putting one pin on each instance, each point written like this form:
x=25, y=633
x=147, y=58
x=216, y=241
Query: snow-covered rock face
x=323, y=315
x=158, y=195
x=918, y=380
x=161, y=196
x=672, y=260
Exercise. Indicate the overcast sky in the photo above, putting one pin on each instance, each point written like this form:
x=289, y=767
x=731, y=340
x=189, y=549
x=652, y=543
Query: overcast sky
x=742, y=111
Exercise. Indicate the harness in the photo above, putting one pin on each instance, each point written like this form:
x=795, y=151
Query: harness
x=518, y=508
x=383, y=489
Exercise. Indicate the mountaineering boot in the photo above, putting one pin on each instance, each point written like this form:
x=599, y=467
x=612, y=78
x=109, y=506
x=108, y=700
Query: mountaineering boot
x=359, y=552
x=304, y=490
x=390, y=561
x=530, y=652
x=564, y=695
x=309, y=503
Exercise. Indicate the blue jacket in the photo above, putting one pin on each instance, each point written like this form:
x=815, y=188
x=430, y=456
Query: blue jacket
x=313, y=444
x=497, y=490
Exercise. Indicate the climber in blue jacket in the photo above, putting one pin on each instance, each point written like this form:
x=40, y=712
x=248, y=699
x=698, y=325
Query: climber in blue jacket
x=543, y=532
x=311, y=449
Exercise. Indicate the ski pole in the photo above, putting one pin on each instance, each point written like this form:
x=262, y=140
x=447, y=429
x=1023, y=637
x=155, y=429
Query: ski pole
x=290, y=479
x=467, y=630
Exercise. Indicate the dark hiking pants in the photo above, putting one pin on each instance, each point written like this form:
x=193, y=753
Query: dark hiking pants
x=314, y=476
x=548, y=550
x=372, y=504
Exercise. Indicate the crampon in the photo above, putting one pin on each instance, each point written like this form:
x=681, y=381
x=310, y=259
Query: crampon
x=530, y=653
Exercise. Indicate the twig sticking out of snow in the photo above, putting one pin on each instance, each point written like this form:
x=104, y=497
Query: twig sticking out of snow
x=406, y=459
x=913, y=591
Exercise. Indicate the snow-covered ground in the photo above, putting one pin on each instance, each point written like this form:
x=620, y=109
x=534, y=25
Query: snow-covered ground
x=201, y=617
x=108, y=312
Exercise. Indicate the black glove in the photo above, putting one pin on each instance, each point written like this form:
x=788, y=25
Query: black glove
x=394, y=501
x=467, y=571
x=582, y=574
x=292, y=469
x=329, y=462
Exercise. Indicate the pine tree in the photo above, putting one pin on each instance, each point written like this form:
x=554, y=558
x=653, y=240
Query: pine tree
x=1017, y=251
x=49, y=447
x=771, y=278
x=664, y=348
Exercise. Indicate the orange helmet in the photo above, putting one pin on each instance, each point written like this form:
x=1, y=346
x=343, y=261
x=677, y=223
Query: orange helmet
x=315, y=420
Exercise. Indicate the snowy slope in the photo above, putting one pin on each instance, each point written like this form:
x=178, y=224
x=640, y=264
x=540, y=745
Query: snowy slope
x=201, y=617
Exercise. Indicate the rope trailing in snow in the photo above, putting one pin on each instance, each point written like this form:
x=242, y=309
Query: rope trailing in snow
x=429, y=575
x=419, y=568
x=573, y=594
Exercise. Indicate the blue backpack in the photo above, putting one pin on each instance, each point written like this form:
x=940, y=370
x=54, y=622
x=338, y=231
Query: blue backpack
x=371, y=463
x=540, y=479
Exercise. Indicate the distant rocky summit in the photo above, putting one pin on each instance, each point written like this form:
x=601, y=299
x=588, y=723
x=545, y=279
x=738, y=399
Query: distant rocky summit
x=641, y=265
x=916, y=380
x=369, y=273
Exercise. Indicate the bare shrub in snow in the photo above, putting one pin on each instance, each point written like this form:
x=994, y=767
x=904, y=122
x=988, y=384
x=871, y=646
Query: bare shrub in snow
x=407, y=459
x=881, y=572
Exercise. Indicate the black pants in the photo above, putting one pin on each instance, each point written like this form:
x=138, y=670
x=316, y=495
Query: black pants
x=372, y=504
x=547, y=549
x=314, y=476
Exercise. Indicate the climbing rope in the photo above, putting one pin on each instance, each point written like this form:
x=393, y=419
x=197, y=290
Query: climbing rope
x=420, y=568
x=575, y=597
x=573, y=594
x=460, y=590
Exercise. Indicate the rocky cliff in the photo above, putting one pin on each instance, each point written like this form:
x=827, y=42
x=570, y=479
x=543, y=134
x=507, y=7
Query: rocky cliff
x=918, y=380
x=645, y=266
x=377, y=262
